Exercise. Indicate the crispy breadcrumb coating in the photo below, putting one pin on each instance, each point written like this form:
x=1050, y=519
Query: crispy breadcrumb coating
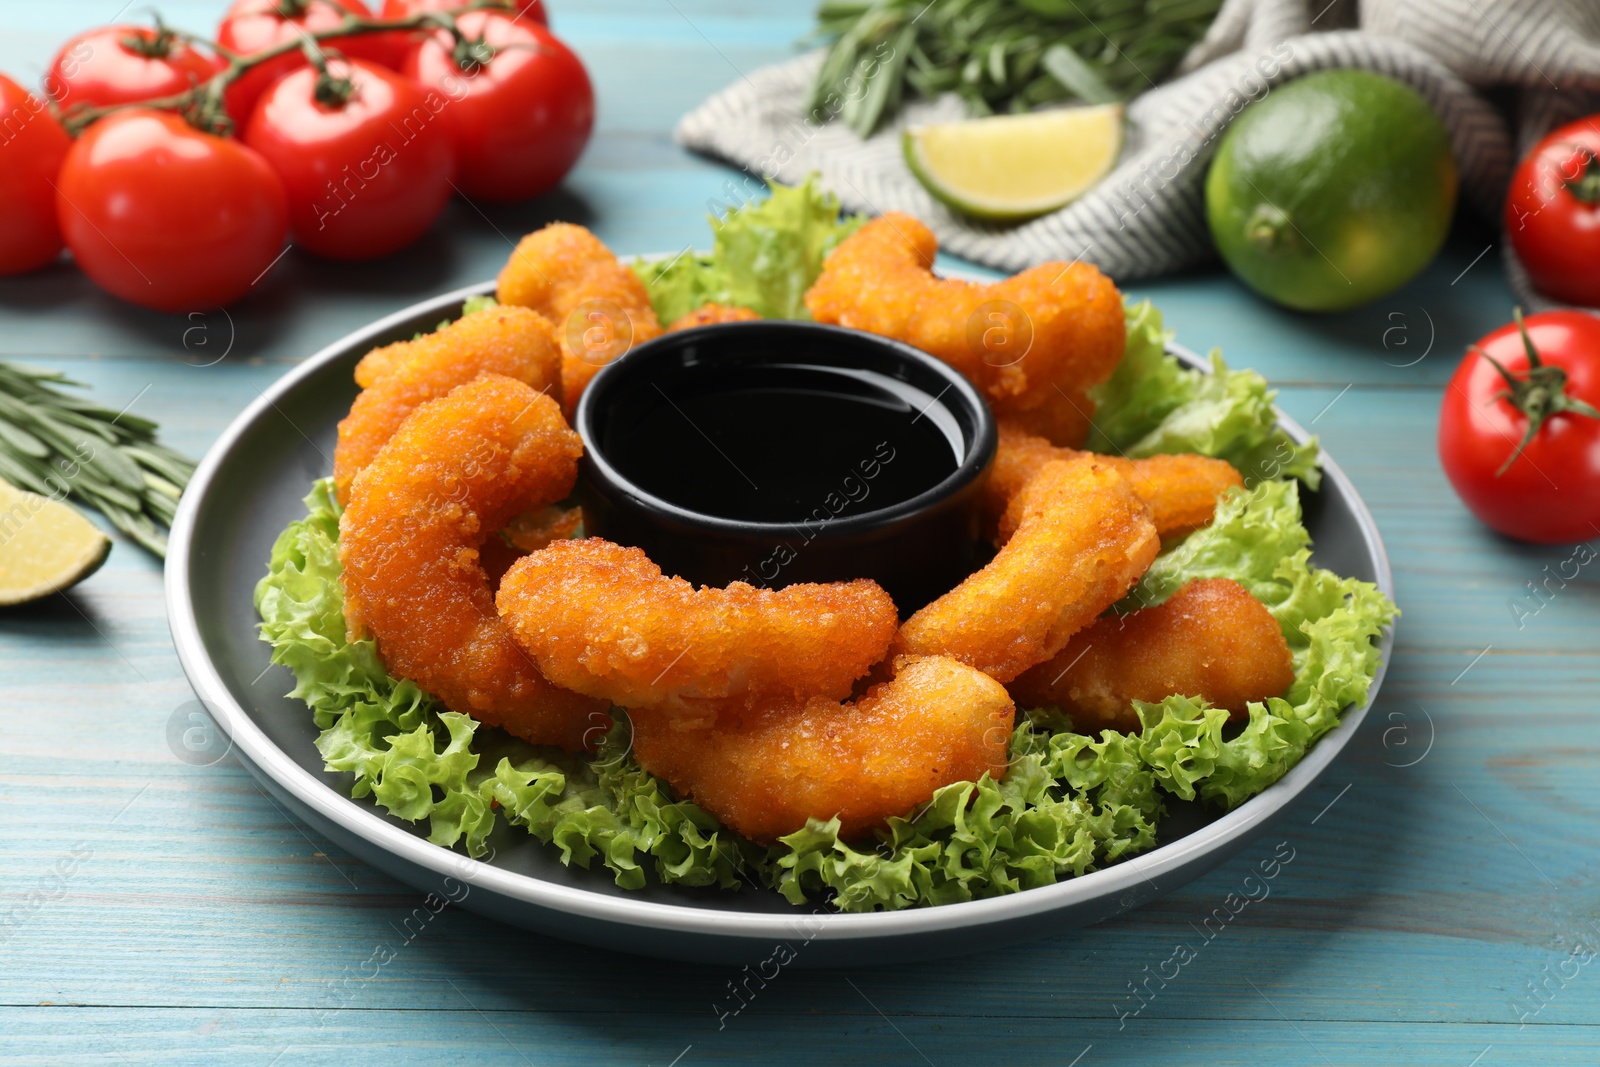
x=711, y=314
x=603, y=620
x=937, y=722
x=598, y=306
x=458, y=469
x=1182, y=490
x=532, y=530
x=1083, y=538
x=1064, y=417
x=1210, y=639
x=512, y=341
x=1057, y=325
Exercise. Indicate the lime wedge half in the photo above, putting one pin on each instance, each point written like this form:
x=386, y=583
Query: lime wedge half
x=45, y=546
x=1010, y=167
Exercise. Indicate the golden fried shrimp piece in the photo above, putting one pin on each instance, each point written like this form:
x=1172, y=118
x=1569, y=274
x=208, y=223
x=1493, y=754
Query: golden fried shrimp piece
x=467, y=335
x=937, y=722
x=1063, y=418
x=711, y=314
x=1182, y=490
x=563, y=270
x=532, y=530
x=528, y=532
x=1210, y=639
x=1083, y=537
x=456, y=471
x=512, y=341
x=381, y=362
x=603, y=620
x=1016, y=339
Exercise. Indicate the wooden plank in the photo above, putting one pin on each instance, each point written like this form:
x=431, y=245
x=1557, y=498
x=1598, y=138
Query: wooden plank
x=619, y=1031
x=1394, y=883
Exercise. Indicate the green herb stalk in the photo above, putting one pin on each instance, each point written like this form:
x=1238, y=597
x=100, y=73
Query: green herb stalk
x=59, y=445
x=999, y=56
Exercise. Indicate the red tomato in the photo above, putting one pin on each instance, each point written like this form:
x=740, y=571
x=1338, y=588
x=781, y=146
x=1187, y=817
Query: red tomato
x=524, y=9
x=124, y=65
x=521, y=119
x=364, y=178
x=1553, y=213
x=1549, y=491
x=252, y=25
x=32, y=147
x=160, y=214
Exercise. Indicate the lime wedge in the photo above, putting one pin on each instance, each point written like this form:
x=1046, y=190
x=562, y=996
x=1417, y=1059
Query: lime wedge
x=45, y=546
x=1010, y=167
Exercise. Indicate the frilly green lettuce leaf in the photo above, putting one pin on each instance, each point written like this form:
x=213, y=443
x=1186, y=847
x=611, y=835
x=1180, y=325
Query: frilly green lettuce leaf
x=1067, y=803
x=764, y=256
x=1251, y=533
x=678, y=285
x=1331, y=624
x=421, y=762
x=1154, y=405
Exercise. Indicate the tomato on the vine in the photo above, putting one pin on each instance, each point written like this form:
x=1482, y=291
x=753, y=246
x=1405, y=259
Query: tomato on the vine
x=521, y=105
x=30, y=158
x=521, y=9
x=162, y=215
x=365, y=156
x=252, y=25
x=1553, y=213
x=125, y=65
x=1519, y=432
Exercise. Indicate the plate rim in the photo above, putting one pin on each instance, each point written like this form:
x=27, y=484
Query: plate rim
x=363, y=821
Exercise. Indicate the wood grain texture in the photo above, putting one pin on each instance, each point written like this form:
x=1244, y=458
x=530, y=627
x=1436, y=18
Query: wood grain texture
x=1442, y=872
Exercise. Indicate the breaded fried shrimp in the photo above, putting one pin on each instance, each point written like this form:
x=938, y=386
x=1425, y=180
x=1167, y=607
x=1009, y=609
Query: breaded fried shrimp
x=1210, y=639
x=564, y=270
x=602, y=619
x=1182, y=490
x=711, y=314
x=512, y=341
x=1057, y=324
x=1064, y=417
x=532, y=530
x=458, y=469
x=1083, y=537
x=937, y=722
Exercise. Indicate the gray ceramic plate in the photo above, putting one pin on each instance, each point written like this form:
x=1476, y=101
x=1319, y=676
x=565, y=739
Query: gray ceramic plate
x=250, y=487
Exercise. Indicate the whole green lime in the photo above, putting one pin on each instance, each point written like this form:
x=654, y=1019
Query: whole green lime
x=1332, y=190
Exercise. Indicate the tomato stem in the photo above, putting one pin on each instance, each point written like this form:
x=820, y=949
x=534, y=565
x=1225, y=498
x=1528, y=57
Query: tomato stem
x=1586, y=186
x=1539, y=393
x=156, y=46
x=330, y=90
x=471, y=53
x=202, y=105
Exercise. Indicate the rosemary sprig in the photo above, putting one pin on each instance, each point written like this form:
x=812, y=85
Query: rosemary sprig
x=997, y=55
x=60, y=445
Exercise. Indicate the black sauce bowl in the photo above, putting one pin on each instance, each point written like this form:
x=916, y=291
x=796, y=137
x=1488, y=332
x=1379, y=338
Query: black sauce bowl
x=917, y=543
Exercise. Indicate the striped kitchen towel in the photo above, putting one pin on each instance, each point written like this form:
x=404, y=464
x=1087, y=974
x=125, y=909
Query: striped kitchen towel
x=1147, y=217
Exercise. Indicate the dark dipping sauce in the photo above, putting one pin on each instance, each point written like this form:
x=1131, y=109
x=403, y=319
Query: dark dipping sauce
x=781, y=452
x=783, y=442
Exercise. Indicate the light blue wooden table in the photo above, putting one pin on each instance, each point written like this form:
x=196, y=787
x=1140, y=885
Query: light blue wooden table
x=1440, y=908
